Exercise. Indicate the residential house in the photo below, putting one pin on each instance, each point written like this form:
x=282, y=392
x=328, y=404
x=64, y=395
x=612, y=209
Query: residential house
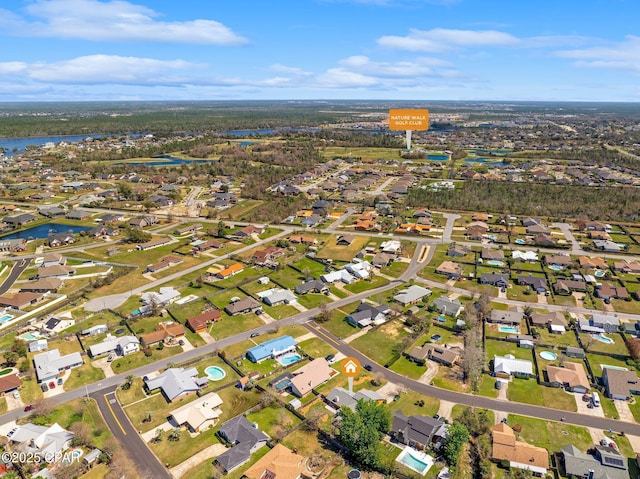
x=312, y=286
x=54, y=325
x=447, y=306
x=568, y=286
x=122, y=346
x=571, y=376
x=200, y=322
x=525, y=256
x=391, y=247
x=79, y=215
x=143, y=221
x=271, y=349
x=458, y=251
x=359, y=269
x=52, y=212
x=13, y=245
x=338, y=275
x=340, y=397
x=538, y=229
x=631, y=267
x=595, y=262
x=303, y=239
x=38, y=345
x=345, y=240
x=61, y=239
x=367, y=314
x=619, y=384
x=518, y=454
x=554, y=321
x=230, y=271
x=310, y=376
x=166, y=331
x=411, y=295
x=279, y=296
x=279, y=463
x=247, y=231
x=198, y=415
x=165, y=295
x=95, y=330
x=56, y=271
x=19, y=220
x=50, y=364
x=607, y=245
x=164, y=263
x=189, y=229
x=266, y=257
x=558, y=260
x=246, y=439
x=52, y=259
x=154, y=243
x=608, y=291
x=382, y=259
x=416, y=431
x=604, y=463
x=8, y=383
x=21, y=300
x=242, y=306
x=495, y=279
x=536, y=283
x=177, y=383
x=508, y=365
x=207, y=245
x=599, y=323
x=44, y=285
x=434, y=352
x=492, y=254
x=48, y=443
x=450, y=269
x=103, y=232
x=508, y=318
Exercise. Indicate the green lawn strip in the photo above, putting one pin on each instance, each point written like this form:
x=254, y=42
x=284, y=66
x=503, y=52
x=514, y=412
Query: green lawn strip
x=264, y=367
x=238, y=349
x=133, y=394
x=30, y=391
x=104, y=317
x=617, y=347
x=609, y=408
x=85, y=374
x=395, y=269
x=314, y=268
x=411, y=403
x=408, y=368
x=381, y=344
x=98, y=471
x=173, y=453
x=274, y=420
x=560, y=341
x=288, y=278
x=132, y=361
x=316, y=348
x=501, y=348
x=247, y=274
x=447, y=379
x=230, y=325
x=458, y=410
x=3, y=405
x=338, y=325
x=363, y=285
x=635, y=410
x=551, y=435
x=185, y=311
x=280, y=312
x=222, y=299
x=597, y=360
x=313, y=300
x=339, y=293
x=236, y=402
x=487, y=387
x=530, y=392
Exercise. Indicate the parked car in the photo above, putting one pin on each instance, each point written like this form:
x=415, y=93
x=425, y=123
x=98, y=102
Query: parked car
x=330, y=358
x=254, y=335
x=29, y=407
x=59, y=381
x=16, y=394
x=368, y=367
x=52, y=385
x=44, y=387
x=181, y=342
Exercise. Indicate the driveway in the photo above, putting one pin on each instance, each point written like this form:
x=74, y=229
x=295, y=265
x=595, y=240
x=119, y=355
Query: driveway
x=208, y=453
x=105, y=365
x=624, y=411
x=13, y=403
x=584, y=409
x=445, y=409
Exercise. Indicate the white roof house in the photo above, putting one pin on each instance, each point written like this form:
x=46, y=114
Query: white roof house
x=412, y=294
x=175, y=382
x=49, y=441
x=508, y=364
x=49, y=364
x=525, y=255
x=360, y=270
x=166, y=295
x=391, y=246
x=339, y=275
x=199, y=414
x=123, y=346
x=280, y=296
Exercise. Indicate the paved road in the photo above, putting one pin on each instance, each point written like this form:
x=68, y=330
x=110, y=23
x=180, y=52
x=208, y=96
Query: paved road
x=475, y=401
x=566, y=231
x=118, y=423
x=19, y=266
x=448, y=229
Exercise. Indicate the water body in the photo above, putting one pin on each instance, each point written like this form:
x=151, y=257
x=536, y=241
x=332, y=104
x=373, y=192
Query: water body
x=437, y=157
x=486, y=161
x=20, y=144
x=42, y=231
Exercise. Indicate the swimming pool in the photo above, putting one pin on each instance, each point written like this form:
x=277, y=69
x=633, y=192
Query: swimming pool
x=599, y=273
x=520, y=241
x=415, y=460
x=215, y=373
x=29, y=336
x=441, y=319
x=5, y=317
x=555, y=267
x=290, y=358
x=436, y=337
x=495, y=262
x=604, y=339
x=548, y=355
x=509, y=329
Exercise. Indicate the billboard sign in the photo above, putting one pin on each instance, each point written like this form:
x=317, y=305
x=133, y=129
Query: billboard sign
x=415, y=120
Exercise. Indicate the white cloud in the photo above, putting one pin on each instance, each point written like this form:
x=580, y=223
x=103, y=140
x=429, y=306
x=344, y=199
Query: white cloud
x=442, y=39
x=102, y=69
x=113, y=20
x=277, y=67
x=406, y=69
x=624, y=55
x=343, y=78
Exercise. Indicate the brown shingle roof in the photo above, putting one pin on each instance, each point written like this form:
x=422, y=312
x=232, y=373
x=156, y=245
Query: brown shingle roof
x=505, y=447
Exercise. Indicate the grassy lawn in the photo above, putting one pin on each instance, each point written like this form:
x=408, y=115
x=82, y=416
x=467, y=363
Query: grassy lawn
x=30, y=392
x=530, y=392
x=247, y=273
x=316, y=348
x=288, y=277
x=182, y=312
x=280, y=312
x=408, y=368
x=635, y=410
x=558, y=340
x=96, y=472
x=134, y=393
x=274, y=420
x=381, y=343
x=410, y=403
x=617, y=347
x=313, y=300
x=597, y=360
x=448, y=378
x=230, y=325
x=337, y=324
x=236, y=402
x=395, y=269
x=138, y=359
x=85, y=374
x=487, y=387
x=500, y=348
x=3, y=405
x=362, y=285
x=609, y=408
x=176, y=452
x=458, y=409
x=551, y=435
x=342, y=253
x=314, y=268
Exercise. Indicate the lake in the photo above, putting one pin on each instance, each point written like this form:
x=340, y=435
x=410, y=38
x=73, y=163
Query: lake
x=42, y=231
x=437, y=157
x=163, y=160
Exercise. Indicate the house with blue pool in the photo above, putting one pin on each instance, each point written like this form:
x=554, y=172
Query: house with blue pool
x=271, y=349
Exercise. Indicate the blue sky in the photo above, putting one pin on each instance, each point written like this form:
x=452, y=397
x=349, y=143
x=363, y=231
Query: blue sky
x=582, y=50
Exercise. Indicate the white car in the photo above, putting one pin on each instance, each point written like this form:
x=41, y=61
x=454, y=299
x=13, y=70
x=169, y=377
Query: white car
x=16, y=394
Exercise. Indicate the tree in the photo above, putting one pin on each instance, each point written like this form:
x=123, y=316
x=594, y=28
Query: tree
x=374, y=415
x=82, y=433
x=128, y=382
x=10, y=359
x=174, y=435
x=148, y=417
x=362, y=439
x=135, y=235
x=158, y=437
x=221, y=230
x=457, y=437
x=324, y=314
